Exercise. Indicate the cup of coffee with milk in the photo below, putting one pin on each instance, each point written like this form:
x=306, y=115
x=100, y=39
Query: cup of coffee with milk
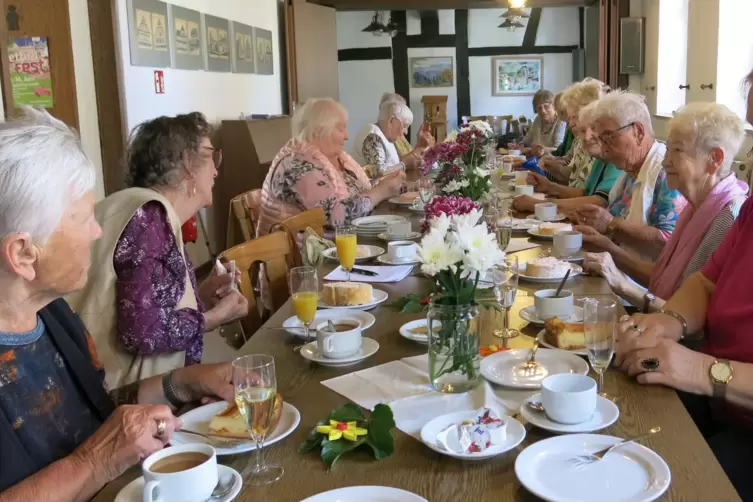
x=568, y=398
x=401, y=251
x=341, y=340
x=546, y=211
x=187, y=473
x=567, y=243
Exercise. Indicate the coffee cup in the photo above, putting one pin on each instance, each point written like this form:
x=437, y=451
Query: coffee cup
x=514, y=153
x=568, y=398
x=401, y=251
x=524, y=190
x=546, y=211
x=400, y=229
x=343, y=342
x=567, y=243
x=521, y=177
x=187, y=473
x=548, y=305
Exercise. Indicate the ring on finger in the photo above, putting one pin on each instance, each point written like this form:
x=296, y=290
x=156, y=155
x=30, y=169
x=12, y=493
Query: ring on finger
x=637, y=328
x=651, y=364
x=625, y=318
x=161, y=427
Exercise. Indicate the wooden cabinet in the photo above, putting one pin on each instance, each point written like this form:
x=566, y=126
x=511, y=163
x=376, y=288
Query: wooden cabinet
x=703, y=44
x=435, y=114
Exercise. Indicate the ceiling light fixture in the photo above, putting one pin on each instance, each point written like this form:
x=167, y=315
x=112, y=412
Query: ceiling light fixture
x=376, y=27
x=514, y=15
x=392, y=28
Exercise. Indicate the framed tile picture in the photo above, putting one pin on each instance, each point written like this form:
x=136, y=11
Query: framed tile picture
x=217, y=43
x=516, y=76
x=432, y=72
x=148, y=31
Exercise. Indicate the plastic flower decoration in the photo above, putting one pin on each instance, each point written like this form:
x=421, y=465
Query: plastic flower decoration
x=336, y=430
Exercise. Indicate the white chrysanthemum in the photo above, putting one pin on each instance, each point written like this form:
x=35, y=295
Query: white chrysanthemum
x=481, y=172
x=480, y=125
x=455, y=186
x=451, y=137
x=466, y=220
x=480, y=247
x=441, y=224
x=436, y=254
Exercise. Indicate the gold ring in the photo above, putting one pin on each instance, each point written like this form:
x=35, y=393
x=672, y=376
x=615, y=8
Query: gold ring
x=161, y=427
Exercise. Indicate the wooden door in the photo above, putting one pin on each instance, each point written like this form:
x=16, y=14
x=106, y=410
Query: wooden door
x=42, y=18
x=703, y=44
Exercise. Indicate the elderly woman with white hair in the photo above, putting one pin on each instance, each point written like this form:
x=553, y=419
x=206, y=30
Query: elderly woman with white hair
x=642, y=209
x=63, y=437
x=313, y=170
x=410, y=156
x=703, y=140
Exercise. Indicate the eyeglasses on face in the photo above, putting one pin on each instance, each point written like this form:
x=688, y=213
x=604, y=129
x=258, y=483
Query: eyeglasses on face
x=608, y=136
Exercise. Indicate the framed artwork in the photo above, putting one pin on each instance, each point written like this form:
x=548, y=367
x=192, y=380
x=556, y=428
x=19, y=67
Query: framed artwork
x=189, y=52
x=263, y=46
x=432, y=72
x=516, y=76
x=148, y=32
x=217, y=35
x=243, y=55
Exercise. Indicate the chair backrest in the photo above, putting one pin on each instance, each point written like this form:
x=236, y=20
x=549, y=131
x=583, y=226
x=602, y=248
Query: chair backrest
x=274, y=252
x=244, y=211
x=313, y=218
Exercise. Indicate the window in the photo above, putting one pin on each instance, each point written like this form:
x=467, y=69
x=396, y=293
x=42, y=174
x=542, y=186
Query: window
x=673, y=56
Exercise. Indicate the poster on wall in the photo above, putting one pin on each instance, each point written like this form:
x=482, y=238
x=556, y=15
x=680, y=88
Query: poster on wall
x=431, y=72
x=30, y=78
x=243, y=54
x=186, y=31
x=148, y=33
x=263, y=51
x=217, y=36
x=516, y=76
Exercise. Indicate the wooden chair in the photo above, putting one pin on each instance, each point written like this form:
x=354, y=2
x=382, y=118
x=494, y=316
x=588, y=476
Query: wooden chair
x=244, y=210
x=295, y=225
x=277, y=256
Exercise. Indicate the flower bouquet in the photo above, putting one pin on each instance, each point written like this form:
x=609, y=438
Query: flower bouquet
x=457, y=251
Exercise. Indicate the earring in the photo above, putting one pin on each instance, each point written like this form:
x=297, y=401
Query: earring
x=193, y=191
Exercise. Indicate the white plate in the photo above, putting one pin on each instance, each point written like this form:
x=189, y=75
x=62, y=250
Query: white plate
x=397, y=201
x=503, y=368
x=366, y=494
x=523, y=224
x=635, y=474
x=411, y=236
x=294, y=326
x=541, y=337
x=370, y=221
x=405, y=331
x=575, y=271
x=529, y=314
x=367, y=253
x=134, y=491
x=559, y=217
x=384, y=259
x=534, y=231
x=377, y=296
x=605, y=415
x=198, y=420
x=515, y=435
x=368, y=348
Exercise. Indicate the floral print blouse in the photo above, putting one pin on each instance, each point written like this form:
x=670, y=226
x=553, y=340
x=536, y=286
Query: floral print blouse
x=151, y=274
x=666, y=207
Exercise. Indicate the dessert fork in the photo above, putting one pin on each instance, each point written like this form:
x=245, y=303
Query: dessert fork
x=599, y=455
x=216, y=441
x=531, y=365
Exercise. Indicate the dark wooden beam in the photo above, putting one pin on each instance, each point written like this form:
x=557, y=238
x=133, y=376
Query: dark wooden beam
x=516, y=51
x=532, y=28
x=418, y=41
x=436, y=4
x=462, y=67
x=582, y=26
x=364, y=54
x=400, y=56
x=429, y=22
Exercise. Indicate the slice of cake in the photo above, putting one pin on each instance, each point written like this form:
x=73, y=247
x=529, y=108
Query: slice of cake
x=552, y=228
x=408, y=197
x=547, y=267
x=230, y=424
x=346, y=293
x=565, y=335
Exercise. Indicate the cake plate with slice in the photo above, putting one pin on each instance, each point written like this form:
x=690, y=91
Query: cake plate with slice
x=575, y=270
x=541, y=337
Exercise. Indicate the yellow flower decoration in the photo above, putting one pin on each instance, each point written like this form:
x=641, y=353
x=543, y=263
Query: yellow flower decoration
x=336, y=430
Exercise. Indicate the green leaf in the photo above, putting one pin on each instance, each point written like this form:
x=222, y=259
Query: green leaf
x=314, y=439
x=413, y=307
x=333, y=450
x=348, y=413
x=380, y=436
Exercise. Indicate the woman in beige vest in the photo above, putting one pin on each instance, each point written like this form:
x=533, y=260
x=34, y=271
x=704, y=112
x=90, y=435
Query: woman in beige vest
x=141, y=303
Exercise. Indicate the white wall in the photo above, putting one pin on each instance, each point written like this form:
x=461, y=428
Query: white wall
x=451, y=92
x=349, y=34
x=217, y=95
x=362, y=84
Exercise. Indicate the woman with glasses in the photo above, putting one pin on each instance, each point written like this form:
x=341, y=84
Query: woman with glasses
x=642, y=209
x=141, y=302
x=547, y=131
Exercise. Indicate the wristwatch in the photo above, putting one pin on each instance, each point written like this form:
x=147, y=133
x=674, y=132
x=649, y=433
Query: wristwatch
x=612, y=228
x=720, y=373
x=648, y=298
x=167, y=389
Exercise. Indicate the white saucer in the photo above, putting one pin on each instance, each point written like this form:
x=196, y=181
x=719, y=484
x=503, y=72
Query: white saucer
x=606, y=414
x=134, y=491
x=406, y=331
x=541, y=337
x=366, y=494
x=503, y=368
x=294, y=326
x=368, y=348
x=632, y=474
x=369, y=252
x=559, y=217
x=377, y=296
x=575, y=271
x=529, y=314
x=385, y=260
x=198, y=420
x=577, y=257
x=382, y=219
x=411, y=236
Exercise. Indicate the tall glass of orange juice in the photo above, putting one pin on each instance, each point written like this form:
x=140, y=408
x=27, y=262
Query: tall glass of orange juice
x=304, y=289
x=347, y=247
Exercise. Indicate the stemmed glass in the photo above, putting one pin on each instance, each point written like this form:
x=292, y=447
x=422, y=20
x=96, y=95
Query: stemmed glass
x=503, y=230
x=505, y=289
x=255, y=391
x=347, y=246
x=600, y=320
x=426, y=190
x=304, y=289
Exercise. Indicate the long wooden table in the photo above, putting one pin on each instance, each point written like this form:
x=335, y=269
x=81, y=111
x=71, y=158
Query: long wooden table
x=696, y=475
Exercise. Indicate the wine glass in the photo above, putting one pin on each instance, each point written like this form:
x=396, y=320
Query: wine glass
x=426, y=190
x=503, y=230
x=347, y=246
x=255, y=392
x=304, y=289
x=600, y=319
x=505, y=288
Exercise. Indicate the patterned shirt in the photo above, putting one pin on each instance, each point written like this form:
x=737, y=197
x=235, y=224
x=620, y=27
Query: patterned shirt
x=665, y=209
x=48, y=412
x=580, y=165
x=151, y=275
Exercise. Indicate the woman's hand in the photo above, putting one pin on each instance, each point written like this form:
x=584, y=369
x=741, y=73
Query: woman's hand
x=593, y=239
x=602, y=264
x=594, y=216
x=525, y=203
x=387, y=186
x=216, y=286
x=204, y=383
x=539, y=182
x=227, y=309
x=643, y=331
x=537, y=150
x=425, y=139
x=127, y=437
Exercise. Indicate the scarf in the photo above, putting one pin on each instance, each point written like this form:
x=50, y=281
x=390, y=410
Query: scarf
x=690, y=229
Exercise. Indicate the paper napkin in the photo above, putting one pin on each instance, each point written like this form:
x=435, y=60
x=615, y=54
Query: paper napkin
x=386, y=274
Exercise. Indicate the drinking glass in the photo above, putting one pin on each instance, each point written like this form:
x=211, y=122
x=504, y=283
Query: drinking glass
x=426, y=190
x=255, y=391
x=304, y=289
x=347, y=246
x=505, y=288
x=600, y=319
x=503, y=230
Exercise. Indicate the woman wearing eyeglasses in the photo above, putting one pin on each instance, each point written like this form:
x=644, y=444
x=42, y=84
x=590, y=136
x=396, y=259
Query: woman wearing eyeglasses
x=141, y=302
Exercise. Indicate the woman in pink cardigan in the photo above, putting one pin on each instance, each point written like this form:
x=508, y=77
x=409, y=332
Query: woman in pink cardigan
x=313, y=170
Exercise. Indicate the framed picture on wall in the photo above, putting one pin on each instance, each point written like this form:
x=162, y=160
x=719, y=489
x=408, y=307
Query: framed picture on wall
x=516, y=76
x=148, y=33
x=432, y=72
